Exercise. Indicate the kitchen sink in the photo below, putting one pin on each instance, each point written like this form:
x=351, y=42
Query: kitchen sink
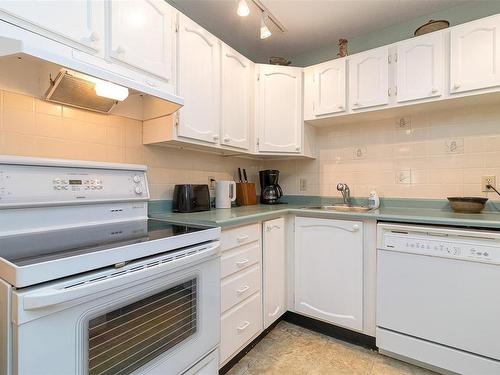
x=339, y=208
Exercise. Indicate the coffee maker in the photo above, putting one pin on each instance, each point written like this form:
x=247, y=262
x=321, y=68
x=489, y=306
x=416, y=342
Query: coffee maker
x=270, y=191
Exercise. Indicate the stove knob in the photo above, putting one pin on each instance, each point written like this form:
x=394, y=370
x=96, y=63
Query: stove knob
x=138, y=190
x=137, y=179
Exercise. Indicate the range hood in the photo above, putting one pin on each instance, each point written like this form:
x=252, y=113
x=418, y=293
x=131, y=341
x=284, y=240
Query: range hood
x=33, y=65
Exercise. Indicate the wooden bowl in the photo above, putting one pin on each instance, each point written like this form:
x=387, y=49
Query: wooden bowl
x=467, y=205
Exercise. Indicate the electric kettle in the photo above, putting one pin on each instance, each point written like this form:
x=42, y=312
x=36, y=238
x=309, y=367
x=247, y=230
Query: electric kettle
x=225, y=193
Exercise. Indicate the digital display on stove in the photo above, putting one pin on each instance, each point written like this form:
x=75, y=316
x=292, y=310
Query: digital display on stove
x=75, y=182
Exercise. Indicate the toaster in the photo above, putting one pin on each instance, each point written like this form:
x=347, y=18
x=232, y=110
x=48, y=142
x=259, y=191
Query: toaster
x=191, y=198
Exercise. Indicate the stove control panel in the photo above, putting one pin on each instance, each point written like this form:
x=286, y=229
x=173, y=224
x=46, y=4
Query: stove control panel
x=23, y=184
x=466, y=245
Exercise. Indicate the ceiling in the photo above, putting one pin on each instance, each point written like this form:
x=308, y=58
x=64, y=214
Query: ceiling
x=310, y=24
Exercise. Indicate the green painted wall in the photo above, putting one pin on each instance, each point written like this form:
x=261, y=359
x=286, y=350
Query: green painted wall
x=456, y=15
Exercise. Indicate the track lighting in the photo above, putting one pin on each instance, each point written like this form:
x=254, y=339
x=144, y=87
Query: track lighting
x=243, y=9
x=264, y=30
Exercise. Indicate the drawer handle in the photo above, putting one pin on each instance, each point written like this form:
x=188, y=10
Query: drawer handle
x=242, y=262
x=243, y=290
x=355, y=227
x=243, y=326
x=271, y=227
x=275, y=311
x=242, y=238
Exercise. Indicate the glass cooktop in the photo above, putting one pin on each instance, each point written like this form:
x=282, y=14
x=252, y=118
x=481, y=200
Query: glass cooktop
x=27, y=249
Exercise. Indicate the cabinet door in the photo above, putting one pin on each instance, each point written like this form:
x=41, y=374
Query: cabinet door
x=420, y=67
x=280, y=109
x=329, y=87
x=274, y=270
x=368, y=79
x=198, y=82
x=329, y=270
x=142, y=34
x=79, y=22
x=475, y=55
x=235, y=97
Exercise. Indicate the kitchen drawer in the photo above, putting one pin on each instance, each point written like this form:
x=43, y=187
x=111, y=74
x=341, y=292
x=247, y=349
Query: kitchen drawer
x=231, y=238
x=239, y=258
x=236, y=288
x=239, y=325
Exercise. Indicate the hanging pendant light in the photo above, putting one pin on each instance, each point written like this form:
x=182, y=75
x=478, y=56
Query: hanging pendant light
x=264, y=30
x=243, y=9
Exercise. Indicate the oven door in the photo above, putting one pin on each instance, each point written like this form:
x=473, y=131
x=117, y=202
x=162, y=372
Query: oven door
x=155, y=316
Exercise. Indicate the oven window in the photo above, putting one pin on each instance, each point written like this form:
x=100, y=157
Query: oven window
x=125, y=339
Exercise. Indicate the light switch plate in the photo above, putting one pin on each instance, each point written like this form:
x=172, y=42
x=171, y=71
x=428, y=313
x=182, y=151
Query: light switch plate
x=403, y=176
x=303, y=184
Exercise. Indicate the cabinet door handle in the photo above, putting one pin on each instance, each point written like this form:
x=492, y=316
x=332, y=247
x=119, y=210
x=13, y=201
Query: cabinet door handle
x=215, y=137
x=355, y=227
x=297, y=148
x=120, y=50
x=434, y=90
x=456, y=86
x=242, y=238
x=150, y=83
x=271, y=227
x=243, y=326
x=242, y=262
x=275, y=311
x=341, y=106
x=227, y=139
x=243, y=289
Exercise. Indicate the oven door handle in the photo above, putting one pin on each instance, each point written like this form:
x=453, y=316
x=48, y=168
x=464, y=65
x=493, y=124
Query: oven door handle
x=55, y=296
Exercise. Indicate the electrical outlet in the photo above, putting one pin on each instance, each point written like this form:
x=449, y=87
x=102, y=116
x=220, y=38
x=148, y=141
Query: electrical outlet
x=488, y=180
x=403, y=176
x=211, y=182
x=359, y=153
x=303, y=184
x=403, y=123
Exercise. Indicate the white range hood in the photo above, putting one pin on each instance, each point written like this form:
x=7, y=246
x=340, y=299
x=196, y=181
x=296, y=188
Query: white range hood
x=34, y=65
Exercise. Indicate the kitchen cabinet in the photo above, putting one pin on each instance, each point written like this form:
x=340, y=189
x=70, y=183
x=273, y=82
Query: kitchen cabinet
x=475, y=55
x=198, y=82
x=420, y=67
x=241, y=288
x=279, y=109
x=236, y=78
x=142, y=35
x=329, y=87
x=274, y=252
x=329, y=270
x=77, y=23
x=368, y=79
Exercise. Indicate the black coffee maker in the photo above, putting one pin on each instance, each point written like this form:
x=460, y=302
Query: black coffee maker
x=270, y=191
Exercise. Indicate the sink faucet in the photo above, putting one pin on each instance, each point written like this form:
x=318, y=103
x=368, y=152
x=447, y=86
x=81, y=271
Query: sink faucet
x=346, y=192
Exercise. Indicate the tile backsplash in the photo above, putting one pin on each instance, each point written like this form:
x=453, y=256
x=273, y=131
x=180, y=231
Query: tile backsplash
x=423, y=155
x=32, y=127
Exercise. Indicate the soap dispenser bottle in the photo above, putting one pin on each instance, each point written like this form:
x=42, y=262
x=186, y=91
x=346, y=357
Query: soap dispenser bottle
x=373, y=200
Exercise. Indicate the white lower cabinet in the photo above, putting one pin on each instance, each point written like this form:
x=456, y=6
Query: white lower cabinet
x=241, y=288
x=329, y=270
x=274, y=252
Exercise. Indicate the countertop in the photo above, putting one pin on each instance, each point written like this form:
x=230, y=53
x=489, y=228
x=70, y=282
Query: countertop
x=247, y=214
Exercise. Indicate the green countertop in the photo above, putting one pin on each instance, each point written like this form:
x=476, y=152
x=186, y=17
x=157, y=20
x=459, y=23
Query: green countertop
x=248, y=214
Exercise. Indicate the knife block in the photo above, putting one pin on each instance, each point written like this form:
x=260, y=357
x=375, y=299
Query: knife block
x=245, y=194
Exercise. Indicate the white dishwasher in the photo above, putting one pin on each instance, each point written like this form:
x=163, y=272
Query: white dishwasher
x=438, y=297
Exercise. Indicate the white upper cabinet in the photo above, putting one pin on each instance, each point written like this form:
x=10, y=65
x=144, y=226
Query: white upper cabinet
x=279, y=113
x=274, y=253
x=329, y=270
x=475, y=55
x=237, y=74
x=368, y=79
x=198, y=82
x=420, y=67
x=329, y=86
x=79, y=23
x=142, y=35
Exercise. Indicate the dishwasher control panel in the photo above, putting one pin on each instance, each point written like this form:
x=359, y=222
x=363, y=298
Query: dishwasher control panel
x=441, y=242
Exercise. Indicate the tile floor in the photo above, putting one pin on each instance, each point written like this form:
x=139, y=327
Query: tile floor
x=289, y=349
